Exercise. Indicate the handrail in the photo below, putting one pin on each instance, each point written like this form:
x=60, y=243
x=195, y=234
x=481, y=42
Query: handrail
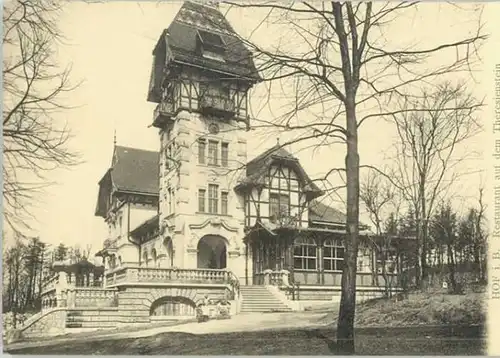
x=294, y=285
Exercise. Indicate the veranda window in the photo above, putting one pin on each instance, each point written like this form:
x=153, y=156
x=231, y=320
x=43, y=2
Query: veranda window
x=333, y=255
x=305, y=255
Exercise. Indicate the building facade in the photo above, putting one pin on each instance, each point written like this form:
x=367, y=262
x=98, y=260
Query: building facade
x=208, y=207
x=199, y=218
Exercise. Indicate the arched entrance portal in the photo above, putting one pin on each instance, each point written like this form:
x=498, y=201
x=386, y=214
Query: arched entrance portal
x=212, y=252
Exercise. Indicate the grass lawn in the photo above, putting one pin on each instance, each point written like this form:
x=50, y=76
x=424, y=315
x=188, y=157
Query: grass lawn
x=369, y=341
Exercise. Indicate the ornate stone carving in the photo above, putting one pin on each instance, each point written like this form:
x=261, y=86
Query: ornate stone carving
x=193, y=243
x=215, y=221
x=234, y=243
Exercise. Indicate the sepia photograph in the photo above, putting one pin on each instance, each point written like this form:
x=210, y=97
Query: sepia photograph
x=250, y=177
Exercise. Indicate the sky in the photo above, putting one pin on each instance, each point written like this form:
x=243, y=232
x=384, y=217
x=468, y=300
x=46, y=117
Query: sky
x=109, y=47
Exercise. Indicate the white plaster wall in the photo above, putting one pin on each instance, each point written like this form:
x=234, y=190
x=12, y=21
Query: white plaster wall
x=129, y=254
x=139, y=214
x=189, y=226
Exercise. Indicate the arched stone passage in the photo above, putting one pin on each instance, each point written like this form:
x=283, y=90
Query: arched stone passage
x=173, y=306
x=212, y=252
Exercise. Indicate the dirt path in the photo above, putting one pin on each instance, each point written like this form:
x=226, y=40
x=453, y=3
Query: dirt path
x=239, y=323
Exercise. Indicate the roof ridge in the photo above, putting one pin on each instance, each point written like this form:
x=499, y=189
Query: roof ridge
x=270, y=151
x=138, y=149
x=178, y=17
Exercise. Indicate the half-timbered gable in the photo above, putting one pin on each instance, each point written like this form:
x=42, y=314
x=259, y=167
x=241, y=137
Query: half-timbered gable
x=200, y=64
x=276, y=190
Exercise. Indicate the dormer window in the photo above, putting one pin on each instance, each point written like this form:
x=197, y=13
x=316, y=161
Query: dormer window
x=211, y=45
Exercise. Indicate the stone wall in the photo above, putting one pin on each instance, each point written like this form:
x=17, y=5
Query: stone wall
x=101, y=318
x=135, y=302
x=51, y=322
x=333, y=294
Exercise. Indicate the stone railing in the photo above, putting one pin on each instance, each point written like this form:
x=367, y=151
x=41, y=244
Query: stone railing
x=167, y=275
x=279, y=278
x=91, y=297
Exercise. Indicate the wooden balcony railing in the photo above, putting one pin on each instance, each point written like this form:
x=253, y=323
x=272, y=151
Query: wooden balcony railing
x=219, y=104
x=163, y=111
x=110, y=243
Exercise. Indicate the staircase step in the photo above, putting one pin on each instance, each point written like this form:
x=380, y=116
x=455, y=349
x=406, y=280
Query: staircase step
x=260, y=299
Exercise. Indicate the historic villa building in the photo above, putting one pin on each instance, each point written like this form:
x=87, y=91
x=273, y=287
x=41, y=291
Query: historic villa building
x=199, y=218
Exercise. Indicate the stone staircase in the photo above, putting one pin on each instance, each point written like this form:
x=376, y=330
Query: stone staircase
x=92, y=318
x=259, y=299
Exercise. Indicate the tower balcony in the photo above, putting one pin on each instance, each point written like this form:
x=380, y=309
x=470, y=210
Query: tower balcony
x=217, y=105
x=163, y=112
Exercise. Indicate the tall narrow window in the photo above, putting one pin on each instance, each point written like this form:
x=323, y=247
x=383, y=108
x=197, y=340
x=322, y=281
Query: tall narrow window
x=212, y=153
x=223, y=202
x=274, y=205
x=201, y=150
x=169, y=195
x=304, y=254
x=168, y=156
x=201, y=200
x=213, y=198
x=224, y=154
x=173, y=200
x=333, y=255
x=279, y=205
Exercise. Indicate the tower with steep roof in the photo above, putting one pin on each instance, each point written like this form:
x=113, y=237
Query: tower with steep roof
x=200, y=79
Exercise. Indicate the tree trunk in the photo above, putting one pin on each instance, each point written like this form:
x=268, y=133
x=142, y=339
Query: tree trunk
x=418, y=248
x=347, y=310
x=451, y=267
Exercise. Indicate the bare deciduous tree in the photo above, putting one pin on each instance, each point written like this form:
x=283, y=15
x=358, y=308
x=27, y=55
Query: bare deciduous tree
x=379, y=197
x=343, y=65
x=430, y=129
x=35, y=141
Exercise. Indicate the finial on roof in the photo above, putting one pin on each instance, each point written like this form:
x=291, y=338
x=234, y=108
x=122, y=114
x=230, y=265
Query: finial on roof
x=114, y=139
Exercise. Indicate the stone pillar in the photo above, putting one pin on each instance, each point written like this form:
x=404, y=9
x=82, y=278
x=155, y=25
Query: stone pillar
x=63, y=280
x=71, y=298
x=284, y=277
x=267, y=276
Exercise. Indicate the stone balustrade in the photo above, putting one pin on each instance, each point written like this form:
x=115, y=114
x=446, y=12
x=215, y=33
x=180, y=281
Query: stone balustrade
x=166, y=275
x=278, y=278
x=91, y=297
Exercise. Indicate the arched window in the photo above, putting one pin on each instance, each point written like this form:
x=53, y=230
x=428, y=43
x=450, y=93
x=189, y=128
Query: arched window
x=333, y=255
x=145, y=258
x=154, y=257
x=169, y=249
x=305, y=254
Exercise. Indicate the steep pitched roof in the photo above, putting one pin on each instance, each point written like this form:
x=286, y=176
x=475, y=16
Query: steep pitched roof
x=132, y=170
x=135, y=170
x=179, y=44
x=257, y=168
x=321, y=212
